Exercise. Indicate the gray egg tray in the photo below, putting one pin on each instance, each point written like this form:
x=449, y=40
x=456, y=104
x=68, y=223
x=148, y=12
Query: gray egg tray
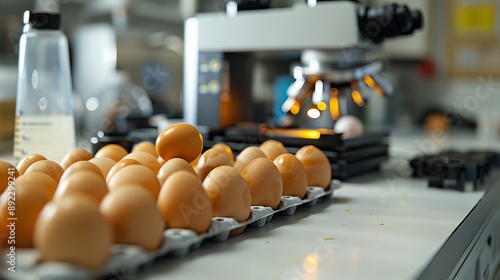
x=178, y=242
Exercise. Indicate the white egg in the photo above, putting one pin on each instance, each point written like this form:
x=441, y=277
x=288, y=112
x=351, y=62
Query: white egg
x=349, y=126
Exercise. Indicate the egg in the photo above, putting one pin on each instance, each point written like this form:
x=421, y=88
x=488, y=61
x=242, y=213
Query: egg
x=146, y=146
x=273, y=148
x=119, y=165
x=73, y=230
x=179, y=140
x=136, y=174
x=171, y=166
x=82, y=165
x=349, y=126
x=104, y=164
x=225, y=148
x=38, y=180
x=134, y=217
x=112, y=151
x=85, y=182
x=293, y=174
x=264, y=181
x=8, y=173
x=75, y=155
x=51, y=168
x=145, y=159
x=29, y=201
x=184, y=203
x=317, y=165
x=211, y=159
x=27, y=161
x=247, y=155
x=229, y=193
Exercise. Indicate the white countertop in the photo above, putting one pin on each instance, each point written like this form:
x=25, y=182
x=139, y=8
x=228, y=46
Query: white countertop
x=380, y=226
x=369, y=230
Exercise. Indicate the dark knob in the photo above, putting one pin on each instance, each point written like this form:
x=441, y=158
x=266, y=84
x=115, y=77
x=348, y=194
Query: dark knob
x=389, y=20
x=39, y=20
x=244, y=5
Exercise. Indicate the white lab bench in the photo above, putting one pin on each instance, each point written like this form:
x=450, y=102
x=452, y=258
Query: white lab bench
x=383, y=225
x=379, y=226
x=369, y=230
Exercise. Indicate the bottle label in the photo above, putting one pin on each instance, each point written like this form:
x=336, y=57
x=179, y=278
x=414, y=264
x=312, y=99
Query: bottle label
x=50, y=136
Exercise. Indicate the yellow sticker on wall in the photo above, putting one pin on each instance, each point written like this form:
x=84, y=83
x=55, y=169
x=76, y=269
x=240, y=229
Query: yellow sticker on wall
x=478, y=17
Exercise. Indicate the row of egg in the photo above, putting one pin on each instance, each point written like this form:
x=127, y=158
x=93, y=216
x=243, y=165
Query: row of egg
x=72, y=212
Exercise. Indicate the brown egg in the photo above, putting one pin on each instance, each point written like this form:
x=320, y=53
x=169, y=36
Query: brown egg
x=225, y=148
x=8, y=173
x=211, y=159
x=317, y=165
x=145, y=159
x=38, y=180
x=171, y=166
x=134, y=217
x=27, y=161
x=104, y=164
x=293, y=173
x=273, y=149
x=136, y=174
x=246, y=156
x=119, y=165
x=180, y=140
x=265, y=183
x=145, y=146
x=75, y=155
x=51, y=168
x=228, y=193
x=81, y=165
x=184, y=203
x=112, y=151
x=29, y=201
x=85, y=182
x=72, y=230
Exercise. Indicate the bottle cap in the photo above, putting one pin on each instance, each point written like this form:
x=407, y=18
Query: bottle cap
x=41, y=20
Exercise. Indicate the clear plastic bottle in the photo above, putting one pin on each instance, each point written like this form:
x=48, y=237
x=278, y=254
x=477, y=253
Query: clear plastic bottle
x=44, y=104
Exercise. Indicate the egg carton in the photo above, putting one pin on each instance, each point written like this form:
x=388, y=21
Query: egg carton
x=178, y=242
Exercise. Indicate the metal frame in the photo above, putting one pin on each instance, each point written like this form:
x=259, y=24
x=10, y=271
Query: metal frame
x=473, y=250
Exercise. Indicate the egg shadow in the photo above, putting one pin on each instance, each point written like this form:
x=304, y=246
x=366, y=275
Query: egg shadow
x=365, y=178
x=168, y=263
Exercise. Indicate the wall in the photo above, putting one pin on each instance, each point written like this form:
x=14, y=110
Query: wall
x=473, y=98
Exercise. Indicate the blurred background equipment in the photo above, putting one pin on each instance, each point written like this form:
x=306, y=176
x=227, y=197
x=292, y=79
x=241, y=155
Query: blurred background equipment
x=340, y=61
x=324, y=59
x=122, y=53
x=423, y=68
x=114, y=45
